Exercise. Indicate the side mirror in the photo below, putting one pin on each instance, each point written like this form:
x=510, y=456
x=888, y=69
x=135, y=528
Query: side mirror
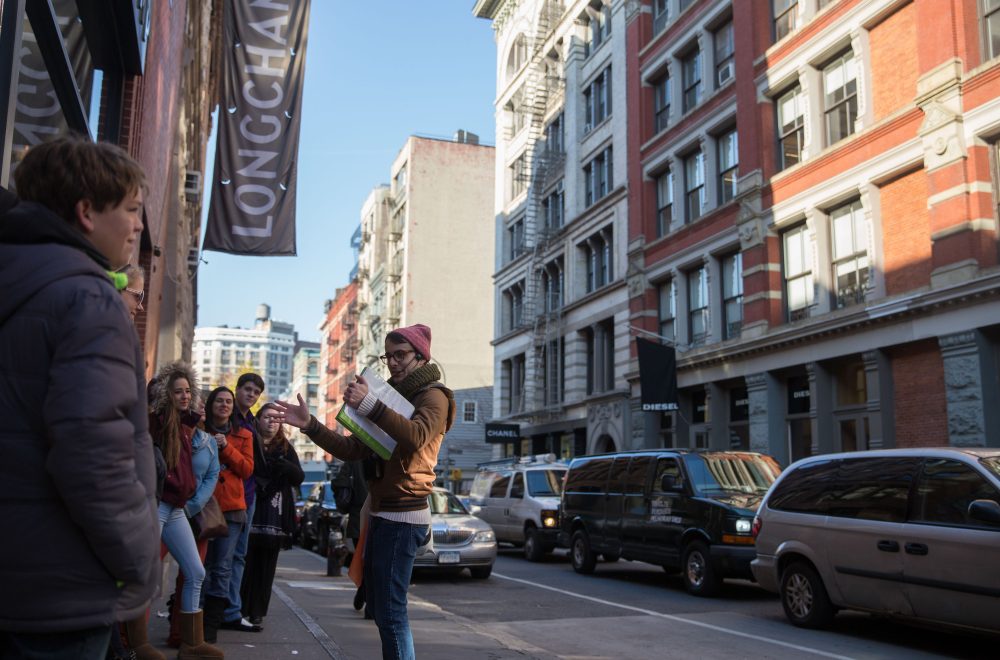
x=668, y=484
x=985, y=511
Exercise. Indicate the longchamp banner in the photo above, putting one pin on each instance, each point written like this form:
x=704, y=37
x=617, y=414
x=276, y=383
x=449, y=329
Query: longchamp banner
x=253, y=189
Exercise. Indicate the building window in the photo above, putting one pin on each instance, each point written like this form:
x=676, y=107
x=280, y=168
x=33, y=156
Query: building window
x=694, y=186
x=798, y=272
x=469, y=412
x=518, y=56
x=791, y=131
x=728, y=159
x=515, y=239
x=518, y=176
x=661, y=103
x=555, y=135
x=840, y=97
x=724, y=65
x=991, y=22
x=513, y=374
x=785, y=17
x=597, y=100
x=597, y=177
x=697, y=306
x=691, y=80
x=554, y=206
x=667, y=309
x=513, y=307
x=661, y=14
x=664, y=202
x=552, y=284
x=399, y=183
x=732, y=295
x=850, y=253
x=685, y=4
x=553, y=376
x=598, y=251
x=600, y=28
x=600, y=341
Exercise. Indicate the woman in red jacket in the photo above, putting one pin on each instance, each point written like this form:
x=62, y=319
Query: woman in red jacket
x=236, y=457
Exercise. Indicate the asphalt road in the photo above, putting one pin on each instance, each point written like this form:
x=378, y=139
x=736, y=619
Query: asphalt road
x=634, y=610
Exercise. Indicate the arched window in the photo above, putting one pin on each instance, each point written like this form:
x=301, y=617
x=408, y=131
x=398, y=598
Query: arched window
x=517, y=57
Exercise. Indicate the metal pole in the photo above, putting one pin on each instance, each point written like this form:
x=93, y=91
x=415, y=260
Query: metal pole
x=11, y=22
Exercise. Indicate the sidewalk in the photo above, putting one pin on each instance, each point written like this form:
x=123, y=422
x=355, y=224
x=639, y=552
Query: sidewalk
x=312, y=617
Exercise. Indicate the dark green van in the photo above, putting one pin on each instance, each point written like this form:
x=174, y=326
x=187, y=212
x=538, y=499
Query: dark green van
x=686, y=510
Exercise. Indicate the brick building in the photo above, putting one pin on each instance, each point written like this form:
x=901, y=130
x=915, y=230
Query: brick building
x=813, y=220
x=338, y=352
x=143, y=75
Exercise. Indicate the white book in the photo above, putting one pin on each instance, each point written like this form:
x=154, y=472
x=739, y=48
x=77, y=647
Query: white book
x=363, y=428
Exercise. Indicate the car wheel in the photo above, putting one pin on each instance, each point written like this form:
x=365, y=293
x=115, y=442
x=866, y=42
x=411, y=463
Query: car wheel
x=481, y=572
x=582, y=556
x=804, y=597
x=533, y=548
x=611, y=557
x=700, y=578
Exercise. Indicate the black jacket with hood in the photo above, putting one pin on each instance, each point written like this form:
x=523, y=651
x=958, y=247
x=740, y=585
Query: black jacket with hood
x=77, y=478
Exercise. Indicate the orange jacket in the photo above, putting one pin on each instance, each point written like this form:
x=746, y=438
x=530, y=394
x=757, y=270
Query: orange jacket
x=237, y=464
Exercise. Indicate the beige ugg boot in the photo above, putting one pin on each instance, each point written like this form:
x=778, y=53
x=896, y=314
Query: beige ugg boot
x=193, y=645
x=138, y=638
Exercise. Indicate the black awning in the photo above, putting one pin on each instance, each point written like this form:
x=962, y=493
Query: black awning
x=657, y=375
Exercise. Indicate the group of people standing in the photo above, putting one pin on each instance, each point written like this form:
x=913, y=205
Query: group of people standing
x=97, y=467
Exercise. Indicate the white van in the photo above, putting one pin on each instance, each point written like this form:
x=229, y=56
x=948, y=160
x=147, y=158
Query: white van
x=519, y=498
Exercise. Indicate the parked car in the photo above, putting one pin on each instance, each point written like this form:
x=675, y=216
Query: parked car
x=461, y=540
x=304, y=489
x=319, y=516
x=911, y=533
x=519, y=498
x=687, y=510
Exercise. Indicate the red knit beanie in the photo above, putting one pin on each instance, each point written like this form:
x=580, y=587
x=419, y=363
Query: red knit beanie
x=418, y=336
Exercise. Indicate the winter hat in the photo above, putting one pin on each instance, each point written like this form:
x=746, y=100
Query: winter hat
x=418, y=336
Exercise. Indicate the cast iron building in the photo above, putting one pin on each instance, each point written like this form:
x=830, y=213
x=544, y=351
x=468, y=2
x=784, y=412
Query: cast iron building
x=813, y=220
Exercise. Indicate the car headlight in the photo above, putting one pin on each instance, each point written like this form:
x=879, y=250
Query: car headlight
x=743, y=526
x=550, y=519
x=484, y=537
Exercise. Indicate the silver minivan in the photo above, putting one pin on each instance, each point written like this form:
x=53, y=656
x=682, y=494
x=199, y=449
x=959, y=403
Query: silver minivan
x=519, y=498
x=913, y=533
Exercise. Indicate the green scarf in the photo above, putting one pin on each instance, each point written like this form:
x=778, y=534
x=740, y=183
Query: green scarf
x=420, y=377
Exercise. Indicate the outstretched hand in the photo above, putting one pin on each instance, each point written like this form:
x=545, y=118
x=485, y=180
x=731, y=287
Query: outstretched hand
x=290, y=413
x=356, y=391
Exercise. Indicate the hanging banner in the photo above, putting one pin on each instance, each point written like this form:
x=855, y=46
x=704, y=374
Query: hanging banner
x=253, y=189
x=657, y=375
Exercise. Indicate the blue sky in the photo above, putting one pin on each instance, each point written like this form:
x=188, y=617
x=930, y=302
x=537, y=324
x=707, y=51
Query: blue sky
x=376, y=72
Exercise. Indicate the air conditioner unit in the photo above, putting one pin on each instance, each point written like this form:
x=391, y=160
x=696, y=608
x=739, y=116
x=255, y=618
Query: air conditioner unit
x=193, y=258
x=192, y=185
x=725, y=73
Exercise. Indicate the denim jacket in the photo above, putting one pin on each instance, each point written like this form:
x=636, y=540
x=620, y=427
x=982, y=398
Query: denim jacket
x=205, y=463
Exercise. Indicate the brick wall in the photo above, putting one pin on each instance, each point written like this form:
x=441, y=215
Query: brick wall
x=894, y=62
x=918, y=383
x=906, y=239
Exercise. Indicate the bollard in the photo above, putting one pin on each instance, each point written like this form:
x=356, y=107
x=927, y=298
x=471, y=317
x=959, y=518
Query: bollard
x=335, y=553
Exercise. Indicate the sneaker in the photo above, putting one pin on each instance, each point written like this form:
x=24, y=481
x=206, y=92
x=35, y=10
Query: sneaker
x=241, y=625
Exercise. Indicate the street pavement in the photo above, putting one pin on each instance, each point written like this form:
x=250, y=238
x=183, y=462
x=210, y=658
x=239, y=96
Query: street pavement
x=312, y=617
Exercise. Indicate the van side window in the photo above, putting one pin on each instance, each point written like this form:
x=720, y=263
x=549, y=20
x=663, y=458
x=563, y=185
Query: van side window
x=804, y=490
x=618, y=469
x=499, y=486
x=638, y=473
x=481, y=486
x=588, y=476
x=517, y=488
x=945, y=490
x=667, y=467
x=872, y=488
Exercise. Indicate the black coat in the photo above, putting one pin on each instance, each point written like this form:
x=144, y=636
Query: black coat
x=77, y=477
x=278, y=475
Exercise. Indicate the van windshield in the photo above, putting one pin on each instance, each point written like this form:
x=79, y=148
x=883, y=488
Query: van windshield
x=545, y=483
x=715, y=473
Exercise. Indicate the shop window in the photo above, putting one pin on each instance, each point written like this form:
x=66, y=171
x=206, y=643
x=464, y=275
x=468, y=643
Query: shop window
x=739, y=419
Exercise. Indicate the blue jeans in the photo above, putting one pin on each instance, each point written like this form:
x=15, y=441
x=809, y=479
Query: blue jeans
x=90, y=644
x=234, y=610
x=219, y=562
x=177, y=536
x=389, y=553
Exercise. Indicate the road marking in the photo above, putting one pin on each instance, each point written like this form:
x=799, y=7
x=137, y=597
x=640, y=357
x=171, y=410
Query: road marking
x=678, y=619
x=331, y=647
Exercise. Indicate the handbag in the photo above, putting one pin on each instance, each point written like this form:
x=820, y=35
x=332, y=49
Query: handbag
x=209, y=523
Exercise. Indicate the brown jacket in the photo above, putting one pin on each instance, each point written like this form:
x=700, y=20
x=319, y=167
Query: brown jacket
x=408, y=476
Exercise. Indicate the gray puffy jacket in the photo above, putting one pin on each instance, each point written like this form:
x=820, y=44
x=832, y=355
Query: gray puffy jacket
x=77, y=504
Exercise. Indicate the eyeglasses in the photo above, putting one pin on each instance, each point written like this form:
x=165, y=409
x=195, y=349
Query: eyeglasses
x=268, y=419
x=139, y=294
x=397, y=356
